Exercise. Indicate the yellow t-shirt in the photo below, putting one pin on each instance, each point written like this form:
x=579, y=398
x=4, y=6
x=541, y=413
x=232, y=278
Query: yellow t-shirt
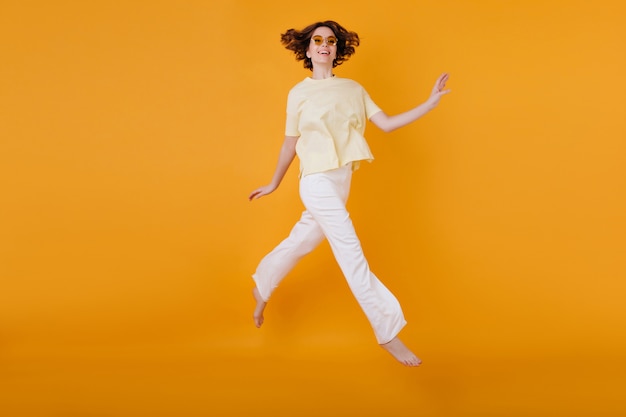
x=329, y=116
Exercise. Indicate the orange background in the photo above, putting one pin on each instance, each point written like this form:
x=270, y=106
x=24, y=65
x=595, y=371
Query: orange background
x=132, y=132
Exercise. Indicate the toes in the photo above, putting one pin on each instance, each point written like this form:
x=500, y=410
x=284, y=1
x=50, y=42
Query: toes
x=412, y=362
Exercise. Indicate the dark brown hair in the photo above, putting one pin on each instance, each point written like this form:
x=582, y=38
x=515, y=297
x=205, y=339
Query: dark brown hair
x=298, y=41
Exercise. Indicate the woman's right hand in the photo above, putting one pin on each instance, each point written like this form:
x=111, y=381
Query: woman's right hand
x=261, y=191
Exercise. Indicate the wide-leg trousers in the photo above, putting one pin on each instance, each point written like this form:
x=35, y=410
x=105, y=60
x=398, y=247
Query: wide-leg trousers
x=324, y=196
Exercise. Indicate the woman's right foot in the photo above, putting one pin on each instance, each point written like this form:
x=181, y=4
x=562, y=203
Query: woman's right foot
x=399, y=351
x=258, y=310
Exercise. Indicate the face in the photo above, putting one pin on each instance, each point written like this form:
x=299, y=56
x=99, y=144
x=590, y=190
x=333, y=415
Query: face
x=322, y=53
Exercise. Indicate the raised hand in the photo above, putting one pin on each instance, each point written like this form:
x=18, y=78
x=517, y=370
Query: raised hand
x=438, y=89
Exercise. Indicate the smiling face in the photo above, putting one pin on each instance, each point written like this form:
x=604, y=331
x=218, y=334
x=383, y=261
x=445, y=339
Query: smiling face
x=323, y=54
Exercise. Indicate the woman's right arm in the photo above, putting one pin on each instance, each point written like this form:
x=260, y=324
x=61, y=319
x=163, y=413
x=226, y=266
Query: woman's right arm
x=285, y=157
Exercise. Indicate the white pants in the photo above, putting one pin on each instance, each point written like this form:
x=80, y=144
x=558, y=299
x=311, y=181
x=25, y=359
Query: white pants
x=324, y=196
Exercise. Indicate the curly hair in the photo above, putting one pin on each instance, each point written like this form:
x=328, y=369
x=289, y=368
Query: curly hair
x=298, y=41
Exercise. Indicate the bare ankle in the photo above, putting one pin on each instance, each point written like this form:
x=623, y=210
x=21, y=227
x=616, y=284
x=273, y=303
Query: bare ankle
x=257, y=316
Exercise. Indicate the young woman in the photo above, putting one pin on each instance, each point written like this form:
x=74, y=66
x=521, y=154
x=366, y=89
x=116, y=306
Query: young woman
x=326, y=117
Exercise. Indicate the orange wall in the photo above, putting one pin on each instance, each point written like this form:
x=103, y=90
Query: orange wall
x=132, y=133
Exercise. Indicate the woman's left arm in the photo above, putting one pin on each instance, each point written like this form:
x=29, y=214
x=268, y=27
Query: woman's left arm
x=388, y=123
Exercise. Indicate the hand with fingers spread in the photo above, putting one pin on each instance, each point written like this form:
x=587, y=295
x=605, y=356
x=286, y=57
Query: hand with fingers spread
x=438, y=90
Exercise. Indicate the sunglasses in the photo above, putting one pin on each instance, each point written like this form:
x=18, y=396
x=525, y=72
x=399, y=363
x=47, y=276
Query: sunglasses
x=330, y=41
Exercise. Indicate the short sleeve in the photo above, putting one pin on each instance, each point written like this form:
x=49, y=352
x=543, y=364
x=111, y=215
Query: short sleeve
x=370, y=107
x=292, y=122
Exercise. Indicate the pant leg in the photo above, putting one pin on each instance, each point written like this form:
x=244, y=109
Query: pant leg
x=305, y=236
x=325, y=195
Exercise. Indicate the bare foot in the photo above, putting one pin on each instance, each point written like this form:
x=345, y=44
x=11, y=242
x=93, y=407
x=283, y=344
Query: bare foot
x=258, y=310
x=401, y=352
